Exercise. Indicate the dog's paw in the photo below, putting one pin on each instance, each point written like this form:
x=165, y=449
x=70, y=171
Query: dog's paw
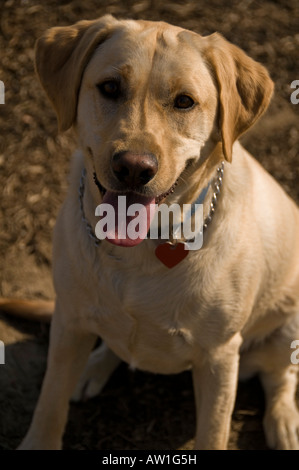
x=101, y=364
x=281, y=426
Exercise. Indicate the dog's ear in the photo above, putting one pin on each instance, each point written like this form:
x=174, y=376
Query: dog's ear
x=62, y=54
x=244, y=88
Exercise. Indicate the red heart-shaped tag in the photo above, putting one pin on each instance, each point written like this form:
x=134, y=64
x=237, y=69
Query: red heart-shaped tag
x=170, y=254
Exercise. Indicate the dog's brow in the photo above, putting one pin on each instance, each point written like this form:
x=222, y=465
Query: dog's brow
x=124, y=70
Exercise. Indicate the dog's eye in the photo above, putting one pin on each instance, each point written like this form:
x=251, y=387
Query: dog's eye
x=183, y=102
x=110, y=89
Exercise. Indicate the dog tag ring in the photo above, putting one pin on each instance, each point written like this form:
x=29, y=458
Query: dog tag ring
x=171, y=254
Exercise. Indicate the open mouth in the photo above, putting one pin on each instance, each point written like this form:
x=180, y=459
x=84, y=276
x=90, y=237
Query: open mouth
x=123, y=227
x=128, y=215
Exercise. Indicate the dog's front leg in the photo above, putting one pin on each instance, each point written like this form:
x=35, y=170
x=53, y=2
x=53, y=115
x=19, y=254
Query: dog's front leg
x=215, y=384
x=68, y=353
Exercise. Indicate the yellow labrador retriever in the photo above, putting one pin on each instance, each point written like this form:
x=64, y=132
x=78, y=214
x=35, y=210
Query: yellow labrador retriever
x=157, y=111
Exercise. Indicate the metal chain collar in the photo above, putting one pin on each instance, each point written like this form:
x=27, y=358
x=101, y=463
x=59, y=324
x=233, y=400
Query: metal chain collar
x=217, y=187
x=84, y=219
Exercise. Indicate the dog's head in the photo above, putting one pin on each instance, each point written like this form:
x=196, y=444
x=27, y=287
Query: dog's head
x=149, y=100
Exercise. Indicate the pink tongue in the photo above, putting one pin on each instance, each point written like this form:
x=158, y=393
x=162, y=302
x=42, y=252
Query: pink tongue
x=123, y=227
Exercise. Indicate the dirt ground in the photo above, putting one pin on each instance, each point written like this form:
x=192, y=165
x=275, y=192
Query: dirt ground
x=136, y=410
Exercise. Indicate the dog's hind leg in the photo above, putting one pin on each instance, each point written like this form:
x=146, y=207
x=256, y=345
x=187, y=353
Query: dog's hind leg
x=271, y=359
x=101, y=364
x=279, y=377
x=281, y=421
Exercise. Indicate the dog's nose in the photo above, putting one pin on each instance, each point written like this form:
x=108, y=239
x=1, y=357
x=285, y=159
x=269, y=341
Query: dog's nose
x=134, y=169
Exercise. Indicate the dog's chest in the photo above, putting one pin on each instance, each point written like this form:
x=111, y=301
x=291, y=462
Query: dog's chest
x=145, y=319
